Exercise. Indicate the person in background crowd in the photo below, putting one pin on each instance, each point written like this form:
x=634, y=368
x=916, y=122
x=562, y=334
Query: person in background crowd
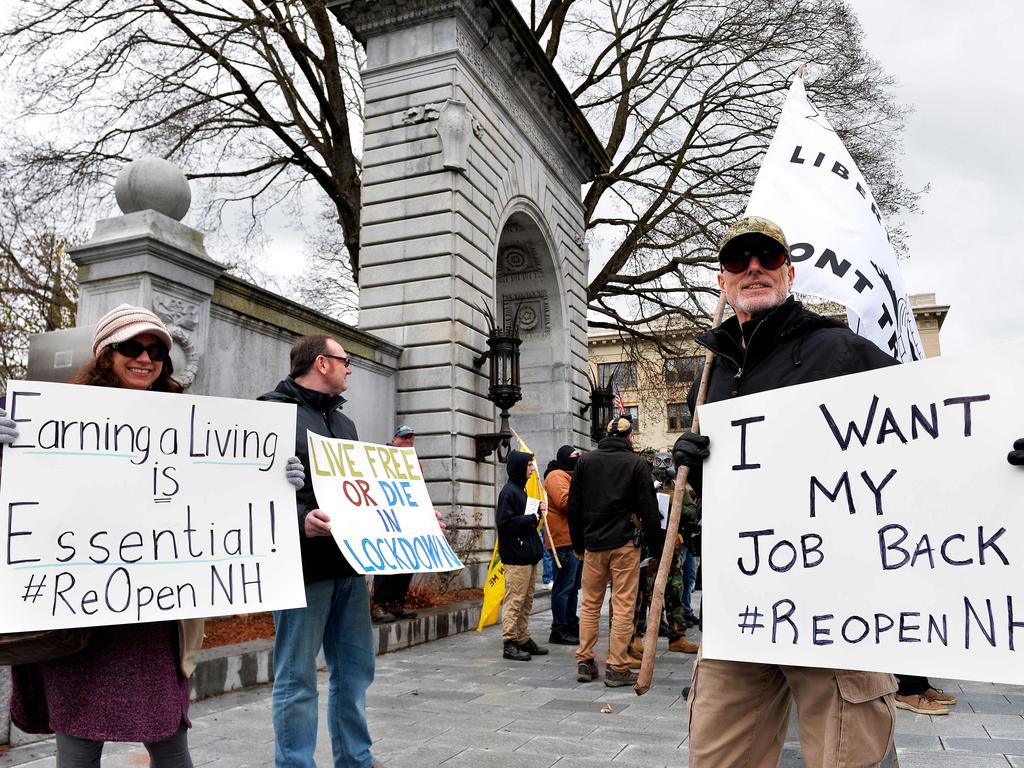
x=547, y=565
x=610, y=497
x=131, y=682
x=337, y=612
x=389, y=590
x=520, y=550
x=673, y=604
x=565, y=624
x=917, y=695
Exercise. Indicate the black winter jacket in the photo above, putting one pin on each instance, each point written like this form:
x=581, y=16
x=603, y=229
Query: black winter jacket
x=789, y=345
x=320, y=414
x=518, y=540
x=609, y=486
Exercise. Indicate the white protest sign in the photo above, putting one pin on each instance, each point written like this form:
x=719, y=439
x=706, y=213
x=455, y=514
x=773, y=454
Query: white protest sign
x=809, y=185
x=381, y=516
x=871, y=521
x=121, y=506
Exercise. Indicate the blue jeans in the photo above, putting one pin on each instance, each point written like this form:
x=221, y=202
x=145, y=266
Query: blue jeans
x=689, y=579
x=549, y=564
x=337, y=617
x=565, y=591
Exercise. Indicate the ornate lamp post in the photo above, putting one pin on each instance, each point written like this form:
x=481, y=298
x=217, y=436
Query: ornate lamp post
x=601, y=408
x=504, y=389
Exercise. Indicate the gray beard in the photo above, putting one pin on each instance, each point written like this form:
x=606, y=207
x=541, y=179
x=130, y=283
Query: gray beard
x=757, y=309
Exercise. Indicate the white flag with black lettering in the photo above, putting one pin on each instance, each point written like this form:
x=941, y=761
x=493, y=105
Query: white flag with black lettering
x=809, y=185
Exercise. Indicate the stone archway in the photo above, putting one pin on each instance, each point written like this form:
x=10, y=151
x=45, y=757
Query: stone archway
x=528, y=287
x=474, y=159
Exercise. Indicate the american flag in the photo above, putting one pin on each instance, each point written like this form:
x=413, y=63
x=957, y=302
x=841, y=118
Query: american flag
x=617, y=402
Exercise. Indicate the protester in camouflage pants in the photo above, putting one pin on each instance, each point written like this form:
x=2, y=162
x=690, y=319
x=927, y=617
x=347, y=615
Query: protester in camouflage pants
x=673, y=598
x=674, y=613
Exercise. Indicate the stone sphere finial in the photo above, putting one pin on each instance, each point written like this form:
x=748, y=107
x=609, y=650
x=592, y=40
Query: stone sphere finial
x=152, y=183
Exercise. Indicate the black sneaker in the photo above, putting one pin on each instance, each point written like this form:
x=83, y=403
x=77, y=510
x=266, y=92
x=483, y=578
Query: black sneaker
x=586, y=671
x=615, y=679
x=514, y=652
x=561, y=637
x=533, y=649
x=690, y=620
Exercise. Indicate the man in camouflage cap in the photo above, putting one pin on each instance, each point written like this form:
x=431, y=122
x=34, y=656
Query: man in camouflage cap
x=739, y=711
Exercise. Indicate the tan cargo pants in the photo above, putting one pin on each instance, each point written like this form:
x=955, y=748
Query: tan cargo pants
x=622, y=566
x=739, y=713
x=520, y=583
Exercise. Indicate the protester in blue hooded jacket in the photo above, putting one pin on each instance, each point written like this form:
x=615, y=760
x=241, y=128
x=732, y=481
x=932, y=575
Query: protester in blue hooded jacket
x=520, y=550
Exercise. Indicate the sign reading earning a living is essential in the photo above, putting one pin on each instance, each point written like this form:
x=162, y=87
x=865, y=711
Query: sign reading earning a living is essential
x=381, y=515
x=871, y=521
x=121, y=507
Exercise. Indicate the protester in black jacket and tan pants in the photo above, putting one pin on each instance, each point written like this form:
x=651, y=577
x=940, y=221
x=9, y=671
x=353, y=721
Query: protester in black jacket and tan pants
x=520, y=550
x=611, y=495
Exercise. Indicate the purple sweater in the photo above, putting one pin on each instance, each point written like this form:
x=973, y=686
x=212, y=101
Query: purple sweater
x=124, y=686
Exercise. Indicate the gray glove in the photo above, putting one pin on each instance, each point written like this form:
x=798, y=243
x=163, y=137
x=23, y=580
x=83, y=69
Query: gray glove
x=295, y=473
x=8, y=429
x=1015, y=457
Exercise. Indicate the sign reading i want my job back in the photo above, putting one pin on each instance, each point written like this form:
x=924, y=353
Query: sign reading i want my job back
x=381, y=515
x=871, y=521
x=121, y=506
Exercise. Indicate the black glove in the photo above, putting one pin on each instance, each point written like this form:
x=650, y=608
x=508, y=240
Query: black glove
x=1016, y=456
x=690, y=450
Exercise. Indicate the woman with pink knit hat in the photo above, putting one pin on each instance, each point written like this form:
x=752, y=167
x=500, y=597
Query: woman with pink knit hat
x=131, y=682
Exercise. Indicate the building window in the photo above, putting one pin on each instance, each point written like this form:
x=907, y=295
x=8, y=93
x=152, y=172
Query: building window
x=682, y=371
x=621, y=375
x=633, y=411
x=679, y=417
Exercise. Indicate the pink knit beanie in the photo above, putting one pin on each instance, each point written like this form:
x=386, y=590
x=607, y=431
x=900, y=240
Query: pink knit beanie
x=126, y=322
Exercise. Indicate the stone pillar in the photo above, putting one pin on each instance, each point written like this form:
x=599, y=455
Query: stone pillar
x=147, y=257
x=474, y=158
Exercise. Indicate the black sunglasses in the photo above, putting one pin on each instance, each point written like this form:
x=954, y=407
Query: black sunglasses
x=132, y=349
x=737, y=259
x=347, y=361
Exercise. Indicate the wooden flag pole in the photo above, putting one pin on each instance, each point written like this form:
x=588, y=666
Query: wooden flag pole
x=643, y=682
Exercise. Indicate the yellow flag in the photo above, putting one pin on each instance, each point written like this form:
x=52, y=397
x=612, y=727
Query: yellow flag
x=494, y=591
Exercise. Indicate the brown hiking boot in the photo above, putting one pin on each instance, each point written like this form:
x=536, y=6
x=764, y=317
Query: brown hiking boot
x=920, y=704
x=682, y=645
x=615, y=679
x=940, y=696
x=586, y=671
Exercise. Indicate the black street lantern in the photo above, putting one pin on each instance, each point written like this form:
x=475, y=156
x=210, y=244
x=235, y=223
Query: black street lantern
x=601, y=408
x=504, y=390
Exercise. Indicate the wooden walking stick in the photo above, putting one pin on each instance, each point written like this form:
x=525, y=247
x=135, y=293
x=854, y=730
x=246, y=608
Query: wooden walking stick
x=643, y=681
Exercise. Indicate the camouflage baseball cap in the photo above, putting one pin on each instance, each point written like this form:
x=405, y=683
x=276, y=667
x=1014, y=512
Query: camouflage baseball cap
x=754, y=225
x=620, y=426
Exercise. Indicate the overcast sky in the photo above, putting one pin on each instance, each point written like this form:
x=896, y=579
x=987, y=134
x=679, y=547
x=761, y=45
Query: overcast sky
x=959, y=65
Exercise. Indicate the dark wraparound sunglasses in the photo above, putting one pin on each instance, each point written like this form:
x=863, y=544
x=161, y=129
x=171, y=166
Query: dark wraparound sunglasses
x=132, y=349
x=347, y=361
x=737, y=259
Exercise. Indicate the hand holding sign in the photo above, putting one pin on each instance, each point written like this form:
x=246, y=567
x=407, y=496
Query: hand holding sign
x=8, y=429
x=1016, y=456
